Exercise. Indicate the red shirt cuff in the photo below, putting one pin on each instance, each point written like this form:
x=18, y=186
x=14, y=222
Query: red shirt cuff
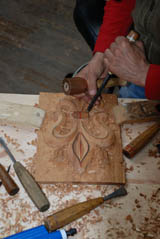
x=152, y=87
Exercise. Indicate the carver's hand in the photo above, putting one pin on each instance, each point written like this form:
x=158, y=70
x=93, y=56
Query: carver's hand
x=127, y=60
x=94, y=70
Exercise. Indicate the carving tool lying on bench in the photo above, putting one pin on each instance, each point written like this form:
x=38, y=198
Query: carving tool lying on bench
x=30, y=185
x=21, y=115
x=10, y=186
x=68, y=215
x=141, y=140
x=137, y=112
x=40, y=232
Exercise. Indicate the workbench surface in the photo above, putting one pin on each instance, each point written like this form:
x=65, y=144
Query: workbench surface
x=136, y=215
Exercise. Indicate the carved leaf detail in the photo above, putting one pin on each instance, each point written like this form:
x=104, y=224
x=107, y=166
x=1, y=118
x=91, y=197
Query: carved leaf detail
x=57, y=130
x=95, y=126
x=64, y=127
x=71, y=124
x=80, y=147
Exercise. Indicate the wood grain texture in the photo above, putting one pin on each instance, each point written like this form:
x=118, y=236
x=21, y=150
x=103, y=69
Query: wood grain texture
x=21, y=115
x=137, y=112
x=76, y=147
x=35, y=34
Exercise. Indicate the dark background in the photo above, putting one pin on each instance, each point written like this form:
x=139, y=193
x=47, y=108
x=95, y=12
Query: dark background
x=39, y=45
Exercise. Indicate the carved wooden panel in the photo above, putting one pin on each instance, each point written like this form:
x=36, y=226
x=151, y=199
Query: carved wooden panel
x=76, y=147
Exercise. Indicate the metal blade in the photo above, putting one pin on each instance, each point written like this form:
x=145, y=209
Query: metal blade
x=2, y=142
x=119, y=192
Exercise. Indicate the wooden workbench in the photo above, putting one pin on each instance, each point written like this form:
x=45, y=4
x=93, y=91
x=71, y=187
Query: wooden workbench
x=135, y=216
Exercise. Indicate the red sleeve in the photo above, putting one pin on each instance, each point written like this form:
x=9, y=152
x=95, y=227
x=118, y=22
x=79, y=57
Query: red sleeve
x=152, y=87
x=116, y=22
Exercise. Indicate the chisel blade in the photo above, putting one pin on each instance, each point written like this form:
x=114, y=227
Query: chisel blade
x=2, y=142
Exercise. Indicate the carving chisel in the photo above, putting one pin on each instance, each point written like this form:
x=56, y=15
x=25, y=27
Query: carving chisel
x=99, y=92
x=132, y=36
x=68, y=215
x=10, y=186
x=30, y=185
x=141, y=140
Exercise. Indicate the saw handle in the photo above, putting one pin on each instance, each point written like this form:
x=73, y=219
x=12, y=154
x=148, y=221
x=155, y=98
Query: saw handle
x=9, y=184
x=31, y=186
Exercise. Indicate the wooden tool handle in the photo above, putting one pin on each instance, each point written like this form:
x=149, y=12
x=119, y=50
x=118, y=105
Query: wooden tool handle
x=68, y=215
x=132, y=36
x=74, y=86
x=140, y=141
x=78, y=85
x=32, y=188
x=10, y=186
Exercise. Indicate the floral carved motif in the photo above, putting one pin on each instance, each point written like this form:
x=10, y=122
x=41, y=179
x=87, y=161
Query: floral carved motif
x=72, y=124
x=74, y=146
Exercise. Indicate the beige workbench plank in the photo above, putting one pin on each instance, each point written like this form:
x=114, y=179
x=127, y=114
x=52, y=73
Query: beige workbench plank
x=20, y=98
x=135, y=216
x=144, y=167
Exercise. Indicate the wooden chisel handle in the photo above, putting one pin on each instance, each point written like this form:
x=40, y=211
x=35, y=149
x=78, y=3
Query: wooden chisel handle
x=140, y=141
x=10, y=186
x=68, y=215
x=31, y=186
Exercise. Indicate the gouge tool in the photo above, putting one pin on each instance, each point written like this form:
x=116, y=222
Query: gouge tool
x=132, y=37
x=78, y=85
x=68, y=215
x=99, y=92
x=140, y=141
x=30, y=185
x=7, y=181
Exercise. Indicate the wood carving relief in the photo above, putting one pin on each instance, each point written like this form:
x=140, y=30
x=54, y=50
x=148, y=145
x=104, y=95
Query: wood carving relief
x=74, y=146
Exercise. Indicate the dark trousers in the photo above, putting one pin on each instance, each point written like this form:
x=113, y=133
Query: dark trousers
x=88, y=16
